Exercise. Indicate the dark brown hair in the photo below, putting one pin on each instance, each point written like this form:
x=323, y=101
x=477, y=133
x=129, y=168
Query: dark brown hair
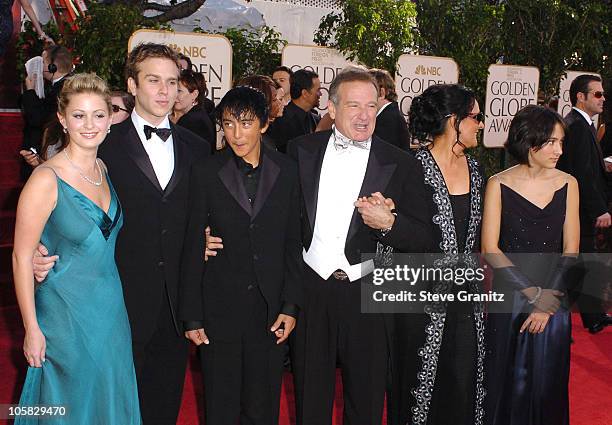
x=145, y=51
x=194, y=81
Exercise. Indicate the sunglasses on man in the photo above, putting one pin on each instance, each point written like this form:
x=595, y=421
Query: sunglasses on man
x=597, y=94
x=117, y=108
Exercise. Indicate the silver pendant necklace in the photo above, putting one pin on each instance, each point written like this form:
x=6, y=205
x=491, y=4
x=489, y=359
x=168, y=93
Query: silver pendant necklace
x=83, y=176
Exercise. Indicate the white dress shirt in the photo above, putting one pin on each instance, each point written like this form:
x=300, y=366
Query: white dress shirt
x=382, y=108
x=342, y=174
x=161, y=154
x=584, y=114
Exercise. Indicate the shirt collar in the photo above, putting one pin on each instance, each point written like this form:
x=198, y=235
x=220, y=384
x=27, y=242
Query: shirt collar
x=139, y=123
x=339, y=135
x=382, y=107
x=584, y=114
x=244, y=166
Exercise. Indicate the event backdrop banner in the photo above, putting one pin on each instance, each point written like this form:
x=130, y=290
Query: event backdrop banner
x=509, y=89
x=415, y=73
x=210, y=54
x=565, y=106
x=324, y=61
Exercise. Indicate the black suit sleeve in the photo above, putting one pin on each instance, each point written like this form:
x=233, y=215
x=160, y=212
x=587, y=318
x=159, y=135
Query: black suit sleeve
x=37, y=112
x=412, y=229
x=585, y=166
x=192, y=263
x=293, y=291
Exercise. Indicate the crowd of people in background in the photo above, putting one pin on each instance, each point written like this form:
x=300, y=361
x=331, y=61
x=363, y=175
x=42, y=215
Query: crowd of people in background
x=153, y=218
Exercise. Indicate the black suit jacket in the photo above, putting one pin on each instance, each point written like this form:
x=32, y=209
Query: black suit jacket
x=150, y=242
x=392, y=128
x=37, y=113
x=582, y=159
x=261, y=243
x=394, y=173
x=295, y=122
x=198, y=121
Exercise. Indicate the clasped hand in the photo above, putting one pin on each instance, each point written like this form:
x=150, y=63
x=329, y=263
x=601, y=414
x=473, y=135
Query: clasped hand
x=376, y=211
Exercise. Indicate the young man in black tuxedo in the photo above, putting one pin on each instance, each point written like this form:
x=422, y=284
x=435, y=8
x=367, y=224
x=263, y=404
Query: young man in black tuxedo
x=583, y=159
x=390, y=123
x=149, y=162
x=241, y=305
x=337, y=168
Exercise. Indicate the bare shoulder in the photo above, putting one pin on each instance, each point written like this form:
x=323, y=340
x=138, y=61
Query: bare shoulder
x=505, y=176
x=43, y=177
x=561, y=178
x=41, y=187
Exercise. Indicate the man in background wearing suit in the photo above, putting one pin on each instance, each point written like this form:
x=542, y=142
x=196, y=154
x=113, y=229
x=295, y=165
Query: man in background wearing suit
x=149, y=161
x=336, y=168
x=298, y=117
x=390, y=123
x=241, y=305
x=37, y=112
x=582, y=158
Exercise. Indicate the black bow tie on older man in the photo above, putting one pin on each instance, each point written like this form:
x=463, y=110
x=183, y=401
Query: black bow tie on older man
x=163, y=133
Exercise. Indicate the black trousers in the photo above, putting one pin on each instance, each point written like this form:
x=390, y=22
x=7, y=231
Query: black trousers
x=588, y=283
x=160, y=363
x=242, y=372
x=331, y=330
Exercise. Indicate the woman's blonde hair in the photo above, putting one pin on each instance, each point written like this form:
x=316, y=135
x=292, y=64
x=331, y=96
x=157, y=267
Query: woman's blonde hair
x=83, y=83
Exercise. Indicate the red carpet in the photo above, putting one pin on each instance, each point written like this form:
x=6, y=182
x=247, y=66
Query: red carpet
x=590, y=384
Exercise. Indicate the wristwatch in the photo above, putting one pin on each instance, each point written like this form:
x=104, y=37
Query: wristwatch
x=384, y=232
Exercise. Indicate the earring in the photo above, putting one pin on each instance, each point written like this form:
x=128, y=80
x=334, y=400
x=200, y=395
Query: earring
x=65, y=130
x=108, y=131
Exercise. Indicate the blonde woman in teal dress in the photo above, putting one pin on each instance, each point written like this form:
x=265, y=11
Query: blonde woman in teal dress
x=77, y=336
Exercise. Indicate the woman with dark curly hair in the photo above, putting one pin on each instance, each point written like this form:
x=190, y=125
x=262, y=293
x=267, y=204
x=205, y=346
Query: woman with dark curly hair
x=438, y=353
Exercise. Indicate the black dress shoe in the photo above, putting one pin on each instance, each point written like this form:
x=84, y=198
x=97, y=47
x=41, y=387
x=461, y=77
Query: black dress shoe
x=601, y=324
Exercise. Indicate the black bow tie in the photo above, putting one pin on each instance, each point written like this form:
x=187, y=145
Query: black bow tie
x=163, y=133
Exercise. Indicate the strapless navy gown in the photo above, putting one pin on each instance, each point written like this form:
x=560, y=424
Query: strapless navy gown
x=528, y=374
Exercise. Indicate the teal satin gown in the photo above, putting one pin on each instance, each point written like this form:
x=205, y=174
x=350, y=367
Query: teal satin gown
x=89, y=367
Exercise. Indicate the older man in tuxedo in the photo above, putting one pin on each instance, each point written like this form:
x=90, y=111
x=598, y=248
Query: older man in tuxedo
x=337, y=168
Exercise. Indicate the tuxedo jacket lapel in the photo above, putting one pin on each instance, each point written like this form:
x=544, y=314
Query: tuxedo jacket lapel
x=180, y=161
x=376, y=179
x=230, y=176
x=310, y=161
x=136, y=151
x=269, y=174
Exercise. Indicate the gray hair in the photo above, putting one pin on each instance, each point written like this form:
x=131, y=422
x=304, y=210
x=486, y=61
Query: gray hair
x=349, y=74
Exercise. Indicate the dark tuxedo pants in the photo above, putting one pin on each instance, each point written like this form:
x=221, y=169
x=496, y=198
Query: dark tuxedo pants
x=331, y=331
x=588, y=289
x=242, y=374
x=160, y=363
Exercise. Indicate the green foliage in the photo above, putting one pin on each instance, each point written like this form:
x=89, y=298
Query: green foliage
x=376, y=32
x=553, y=36
x=254, y=52
x=102, y=37
x=468, y=32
